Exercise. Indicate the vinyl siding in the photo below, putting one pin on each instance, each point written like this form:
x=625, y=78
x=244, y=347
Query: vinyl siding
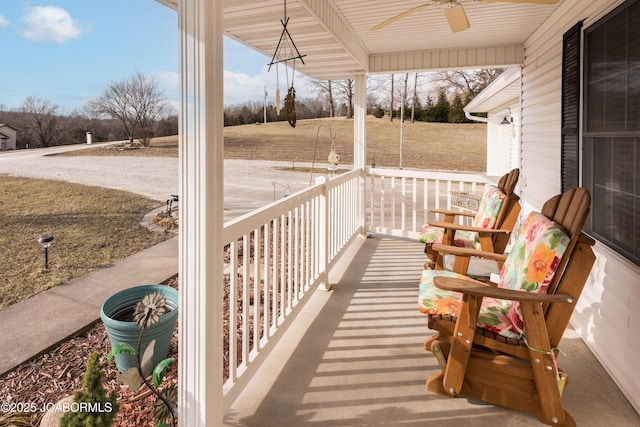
x=607, y=316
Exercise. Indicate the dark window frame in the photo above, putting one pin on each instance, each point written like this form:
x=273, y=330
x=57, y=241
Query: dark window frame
x=571, y=69
x=610, y=138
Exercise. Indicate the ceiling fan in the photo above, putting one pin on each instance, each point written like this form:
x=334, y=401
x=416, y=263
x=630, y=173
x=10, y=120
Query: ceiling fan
x=454, y=13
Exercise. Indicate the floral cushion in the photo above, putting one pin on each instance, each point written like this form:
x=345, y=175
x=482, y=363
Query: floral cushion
x=489, y=208
x=486, y=217
x=529, y=267
x=432, y=300
x=462, y=238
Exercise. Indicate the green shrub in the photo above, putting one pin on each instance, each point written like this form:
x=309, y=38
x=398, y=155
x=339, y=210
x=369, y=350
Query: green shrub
x=378, y=112
x=91, y=407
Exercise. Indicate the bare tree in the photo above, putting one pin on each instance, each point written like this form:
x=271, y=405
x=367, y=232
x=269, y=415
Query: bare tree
x=42, y=123
x=405, y=90
x=414, y=99
x=467, y=82
x=325, y=88
x=136, y=102
x=346, y=88
x=391, y=103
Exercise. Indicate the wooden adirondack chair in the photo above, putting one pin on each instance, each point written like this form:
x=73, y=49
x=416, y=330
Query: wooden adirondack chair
x=514, y=365
x=490, y=230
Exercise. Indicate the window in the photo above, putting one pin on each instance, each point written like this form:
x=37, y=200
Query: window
x=611, y=128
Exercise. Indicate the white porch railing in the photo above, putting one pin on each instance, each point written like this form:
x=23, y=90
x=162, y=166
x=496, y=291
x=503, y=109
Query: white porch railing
x=273, y=257
x=399, y=201
x=276, y=255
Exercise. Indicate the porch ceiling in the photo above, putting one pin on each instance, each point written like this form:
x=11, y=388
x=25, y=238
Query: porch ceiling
x=336, y=38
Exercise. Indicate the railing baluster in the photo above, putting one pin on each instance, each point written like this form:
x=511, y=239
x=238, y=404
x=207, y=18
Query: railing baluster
x=274, y=275
x=267, y=281
x=245, y=301
x=289, y=262
x=403, y=223
x=257, y=290
x=425, y=203
x=233, y=311
x=372, y=191
x=296, y=256
x=393, y=202
x=382, y=206
x=414, y=205
x=283, y=277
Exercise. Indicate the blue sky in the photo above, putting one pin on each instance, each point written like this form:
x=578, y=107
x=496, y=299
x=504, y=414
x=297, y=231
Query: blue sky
x=68, y=51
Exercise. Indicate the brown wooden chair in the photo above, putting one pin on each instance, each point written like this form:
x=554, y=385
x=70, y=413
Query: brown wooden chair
x=493, y=238
x=517, y=370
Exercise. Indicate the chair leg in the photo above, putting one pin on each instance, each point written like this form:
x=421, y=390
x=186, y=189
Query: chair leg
x=430, y=253
x=543, y=364
x=461, y=344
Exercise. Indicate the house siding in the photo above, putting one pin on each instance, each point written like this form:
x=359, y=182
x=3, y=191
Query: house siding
x=503, y=147
x=8, y=138
x=608, y=313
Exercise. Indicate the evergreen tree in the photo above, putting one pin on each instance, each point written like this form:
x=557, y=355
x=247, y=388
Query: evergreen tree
x=441, y=109
x=95, y=409
x=456, y=112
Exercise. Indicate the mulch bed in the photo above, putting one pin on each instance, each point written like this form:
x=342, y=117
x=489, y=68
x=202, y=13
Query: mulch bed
x=58, y=373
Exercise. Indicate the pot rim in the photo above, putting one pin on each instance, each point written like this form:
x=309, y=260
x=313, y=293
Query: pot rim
x=131, y=302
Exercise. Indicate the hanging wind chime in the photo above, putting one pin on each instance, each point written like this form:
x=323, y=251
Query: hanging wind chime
x=287, y=53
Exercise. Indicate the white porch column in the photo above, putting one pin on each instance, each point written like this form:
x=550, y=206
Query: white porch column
x=360, y=140
x=201, y=212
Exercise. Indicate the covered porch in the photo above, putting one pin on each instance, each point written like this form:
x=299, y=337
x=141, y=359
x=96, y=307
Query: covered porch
x=299, y=241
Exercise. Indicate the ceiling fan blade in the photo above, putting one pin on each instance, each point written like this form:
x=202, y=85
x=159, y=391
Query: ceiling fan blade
x=522, y=1
x=457, y=18
x=398, y=17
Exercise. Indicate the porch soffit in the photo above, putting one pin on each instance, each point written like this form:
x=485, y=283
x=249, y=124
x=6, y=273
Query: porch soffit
x=336, y=38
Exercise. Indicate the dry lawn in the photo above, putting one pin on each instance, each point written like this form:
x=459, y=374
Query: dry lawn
x=92, y=227
x=433, y=146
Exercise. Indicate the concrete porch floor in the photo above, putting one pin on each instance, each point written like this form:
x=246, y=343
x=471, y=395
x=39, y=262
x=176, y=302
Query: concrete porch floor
x=354, y=357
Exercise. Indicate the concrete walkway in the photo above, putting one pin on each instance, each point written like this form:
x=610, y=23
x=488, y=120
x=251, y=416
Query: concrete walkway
x=33, y=326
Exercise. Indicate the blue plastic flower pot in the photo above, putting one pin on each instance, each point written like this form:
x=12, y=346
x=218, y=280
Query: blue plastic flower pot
x=120, y=331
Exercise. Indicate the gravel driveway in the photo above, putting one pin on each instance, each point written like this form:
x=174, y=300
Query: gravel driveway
x=249, y=184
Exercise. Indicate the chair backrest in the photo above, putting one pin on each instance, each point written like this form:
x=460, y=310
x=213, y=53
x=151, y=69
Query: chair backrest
x=550, y=255
x=507, y=184
x=569, y=210
x=509, y=181
x=509, y=211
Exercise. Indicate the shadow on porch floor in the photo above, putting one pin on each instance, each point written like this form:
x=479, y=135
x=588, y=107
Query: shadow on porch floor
x=355, y=357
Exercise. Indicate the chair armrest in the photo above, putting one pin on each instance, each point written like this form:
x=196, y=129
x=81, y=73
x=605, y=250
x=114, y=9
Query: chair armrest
x=467, y=252
x=452, y=226
x=483, y=290
x=446, y=212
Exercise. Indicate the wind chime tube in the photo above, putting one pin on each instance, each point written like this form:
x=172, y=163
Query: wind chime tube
x=277, y=90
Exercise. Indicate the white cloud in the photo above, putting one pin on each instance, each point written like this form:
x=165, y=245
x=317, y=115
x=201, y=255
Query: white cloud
x=239, y=88
x=50, y=23
x=3, y=21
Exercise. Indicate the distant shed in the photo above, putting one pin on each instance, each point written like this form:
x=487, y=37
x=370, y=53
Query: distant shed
x=7, y=137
